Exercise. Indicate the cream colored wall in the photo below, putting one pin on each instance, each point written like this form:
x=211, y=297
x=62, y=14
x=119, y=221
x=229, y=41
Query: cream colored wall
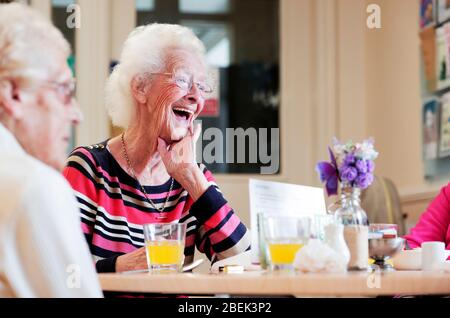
x=394, y=102
x=92, y=63
x=351, y=70
x=393, y=91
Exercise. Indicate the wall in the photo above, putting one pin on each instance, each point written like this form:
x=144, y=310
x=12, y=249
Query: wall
x=394, y=106
x=394, y=103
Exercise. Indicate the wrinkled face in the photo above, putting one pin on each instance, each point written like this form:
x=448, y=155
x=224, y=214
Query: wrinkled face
x=48, y=116
x=174, y=106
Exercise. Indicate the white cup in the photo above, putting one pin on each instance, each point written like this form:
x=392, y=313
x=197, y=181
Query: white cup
x=433, y=255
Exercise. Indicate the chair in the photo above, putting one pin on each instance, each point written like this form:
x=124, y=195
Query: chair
x=381, y=202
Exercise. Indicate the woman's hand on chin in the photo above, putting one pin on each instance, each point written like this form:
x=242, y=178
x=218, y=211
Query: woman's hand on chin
x=179, y=160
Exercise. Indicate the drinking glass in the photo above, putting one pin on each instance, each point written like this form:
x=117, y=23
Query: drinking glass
x=320, y=222
x=164, y=244
x=285, y=236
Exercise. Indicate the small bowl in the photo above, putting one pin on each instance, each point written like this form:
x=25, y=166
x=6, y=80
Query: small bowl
x=386, y=230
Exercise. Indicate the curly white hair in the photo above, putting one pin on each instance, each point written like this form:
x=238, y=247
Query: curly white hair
x=144, y=51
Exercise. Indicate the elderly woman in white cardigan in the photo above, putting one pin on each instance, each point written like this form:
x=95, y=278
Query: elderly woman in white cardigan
x=42, y=250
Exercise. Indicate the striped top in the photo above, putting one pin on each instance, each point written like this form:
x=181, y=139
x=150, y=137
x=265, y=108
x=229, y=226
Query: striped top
x=114, y=209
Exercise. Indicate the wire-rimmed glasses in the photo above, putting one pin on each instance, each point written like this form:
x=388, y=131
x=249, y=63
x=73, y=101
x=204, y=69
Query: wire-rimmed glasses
x=185, y=81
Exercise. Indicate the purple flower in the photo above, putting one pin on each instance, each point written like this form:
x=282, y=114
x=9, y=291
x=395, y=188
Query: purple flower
x=364, y=180
x=370, y=166
x=361, y=165
x=349, y=159
x=348, y=173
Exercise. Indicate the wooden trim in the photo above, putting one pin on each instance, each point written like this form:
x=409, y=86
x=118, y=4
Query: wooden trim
x=257, y=283
x=92, y=64
x=123, y=21
x=297, y=70
x=351, y=78
x=419, y=196
x=326, y=64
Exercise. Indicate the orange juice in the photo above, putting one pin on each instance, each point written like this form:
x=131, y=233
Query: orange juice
x=283, y=253
x=168, y=252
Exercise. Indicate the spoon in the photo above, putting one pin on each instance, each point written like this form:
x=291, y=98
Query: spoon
x=185, y=268
x=192, y=265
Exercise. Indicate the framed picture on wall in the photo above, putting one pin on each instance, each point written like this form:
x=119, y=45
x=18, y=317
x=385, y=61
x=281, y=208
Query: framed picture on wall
x=444, y=136
x=443, y=56
x=427, y=13
x=430, y=128
x=428, y=48
x=443, y=10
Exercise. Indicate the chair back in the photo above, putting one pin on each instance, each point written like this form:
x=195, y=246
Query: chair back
x=381, y=202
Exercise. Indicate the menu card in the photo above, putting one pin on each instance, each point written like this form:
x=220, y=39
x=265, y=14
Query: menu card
x=268, y=197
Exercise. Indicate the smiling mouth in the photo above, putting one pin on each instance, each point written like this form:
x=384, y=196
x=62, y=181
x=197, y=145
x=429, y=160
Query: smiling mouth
x=183, y=113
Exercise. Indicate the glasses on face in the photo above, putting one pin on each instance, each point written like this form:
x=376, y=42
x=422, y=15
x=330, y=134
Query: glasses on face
x=66, y=90
x=186, y=81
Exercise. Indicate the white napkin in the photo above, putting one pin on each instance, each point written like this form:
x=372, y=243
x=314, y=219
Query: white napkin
x=318, y=257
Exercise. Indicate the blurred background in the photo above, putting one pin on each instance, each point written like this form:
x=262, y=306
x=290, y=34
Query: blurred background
x=312, y=68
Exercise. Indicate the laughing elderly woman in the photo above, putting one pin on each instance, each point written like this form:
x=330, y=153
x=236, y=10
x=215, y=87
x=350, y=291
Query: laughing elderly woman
x=148, y=174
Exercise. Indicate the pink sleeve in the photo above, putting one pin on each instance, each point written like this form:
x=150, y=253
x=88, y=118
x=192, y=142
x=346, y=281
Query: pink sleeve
x=434, y=223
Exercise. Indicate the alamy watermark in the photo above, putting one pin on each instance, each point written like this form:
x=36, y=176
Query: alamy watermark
x=73, y=20
x=242, y=146
x=74, y=276
x=374, y=279
x=374, y=19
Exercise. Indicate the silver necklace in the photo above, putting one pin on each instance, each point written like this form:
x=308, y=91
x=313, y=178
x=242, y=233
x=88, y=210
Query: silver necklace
x=131, y=170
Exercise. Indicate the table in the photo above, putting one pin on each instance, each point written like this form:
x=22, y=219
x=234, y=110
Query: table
x=266, y=283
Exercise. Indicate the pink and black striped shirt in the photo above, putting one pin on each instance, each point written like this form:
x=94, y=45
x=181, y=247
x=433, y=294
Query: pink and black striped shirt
x=114, y=209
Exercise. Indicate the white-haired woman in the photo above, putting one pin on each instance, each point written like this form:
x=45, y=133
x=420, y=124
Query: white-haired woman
x=42, y=249
x=148, y=174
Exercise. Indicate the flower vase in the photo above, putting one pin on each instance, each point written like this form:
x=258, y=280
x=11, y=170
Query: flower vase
x=356, y=226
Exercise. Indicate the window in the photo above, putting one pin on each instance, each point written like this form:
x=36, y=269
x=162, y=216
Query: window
x=145, y=5
x=204, y=7
x=60, y=18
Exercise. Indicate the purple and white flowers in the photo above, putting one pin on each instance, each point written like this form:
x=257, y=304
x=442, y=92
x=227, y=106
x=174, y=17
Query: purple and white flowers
x=351, y=164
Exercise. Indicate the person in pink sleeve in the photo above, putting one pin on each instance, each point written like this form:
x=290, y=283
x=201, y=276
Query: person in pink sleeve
x=434, y=224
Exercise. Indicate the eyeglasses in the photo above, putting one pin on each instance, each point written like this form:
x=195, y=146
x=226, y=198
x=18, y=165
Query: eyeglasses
x=66, y=90
x=186, y=81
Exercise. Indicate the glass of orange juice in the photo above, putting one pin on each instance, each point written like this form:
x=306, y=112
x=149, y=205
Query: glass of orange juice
x=164, y=244
x=285, y=236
